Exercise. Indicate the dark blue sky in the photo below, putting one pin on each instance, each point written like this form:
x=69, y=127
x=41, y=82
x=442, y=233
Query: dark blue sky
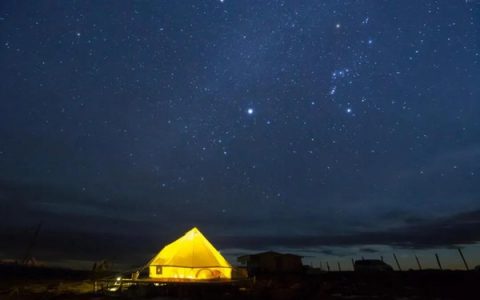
x=297, y=125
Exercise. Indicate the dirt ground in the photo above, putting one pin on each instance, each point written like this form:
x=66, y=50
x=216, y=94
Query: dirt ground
x=438, y=285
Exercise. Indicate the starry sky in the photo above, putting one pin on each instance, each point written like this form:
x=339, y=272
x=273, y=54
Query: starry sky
x=328, y=128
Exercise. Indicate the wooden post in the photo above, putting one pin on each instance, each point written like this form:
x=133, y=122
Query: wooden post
x=396, y=260
x=328, y=267
x=418, y=263
x=438, y=261
x=381, y=258
x=353, y=264
x=339, y=267
x=463, y=258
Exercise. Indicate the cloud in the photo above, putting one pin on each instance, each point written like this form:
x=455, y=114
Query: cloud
x=462, y=228
x=87, y=230
x=368, y=250
x=25, y=204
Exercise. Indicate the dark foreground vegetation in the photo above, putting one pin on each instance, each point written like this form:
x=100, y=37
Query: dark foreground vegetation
x=44, y=283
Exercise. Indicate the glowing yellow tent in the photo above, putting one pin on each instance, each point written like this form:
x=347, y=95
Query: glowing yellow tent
x=191, y=257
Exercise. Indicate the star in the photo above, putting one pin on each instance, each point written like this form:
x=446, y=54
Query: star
x=333, y=90
x=168, y=113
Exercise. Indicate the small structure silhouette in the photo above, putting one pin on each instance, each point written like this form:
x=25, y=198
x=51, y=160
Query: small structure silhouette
x=271, y=262
x=102, y=266
x=371, y=265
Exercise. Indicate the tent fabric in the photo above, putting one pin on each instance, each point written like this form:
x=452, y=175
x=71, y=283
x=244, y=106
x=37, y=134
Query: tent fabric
x=190, y=257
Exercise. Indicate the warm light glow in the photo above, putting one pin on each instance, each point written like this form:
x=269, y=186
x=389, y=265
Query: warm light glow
x=191, y=257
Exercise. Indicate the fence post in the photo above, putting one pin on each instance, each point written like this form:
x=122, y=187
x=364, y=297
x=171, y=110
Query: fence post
x=438, y=261
x=396, y=260
x=418, y=263
x=463, y=258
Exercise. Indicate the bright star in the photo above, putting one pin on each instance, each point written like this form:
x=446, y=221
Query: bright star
x=250, y=111
x=333, y=90
x=349, y=110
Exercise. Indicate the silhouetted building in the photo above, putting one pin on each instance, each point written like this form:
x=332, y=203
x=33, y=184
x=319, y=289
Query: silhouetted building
x=271, y=262
x=371, y=265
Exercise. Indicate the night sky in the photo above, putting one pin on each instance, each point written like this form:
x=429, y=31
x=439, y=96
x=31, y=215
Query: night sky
x=332, y=129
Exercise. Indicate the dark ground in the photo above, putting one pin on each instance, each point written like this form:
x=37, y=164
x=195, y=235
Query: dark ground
x=18, y=283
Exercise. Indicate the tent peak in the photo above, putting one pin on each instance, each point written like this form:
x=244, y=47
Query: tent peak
x=192, y=233
x=194, y=230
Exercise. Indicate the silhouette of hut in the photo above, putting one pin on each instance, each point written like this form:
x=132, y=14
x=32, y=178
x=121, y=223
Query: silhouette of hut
x=271, y=262
x=371, y=265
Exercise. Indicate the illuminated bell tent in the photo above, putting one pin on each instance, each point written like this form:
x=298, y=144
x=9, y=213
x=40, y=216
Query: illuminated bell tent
x=191, y=257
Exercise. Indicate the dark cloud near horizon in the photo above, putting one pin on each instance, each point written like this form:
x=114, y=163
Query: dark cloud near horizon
x=459, y=229
x=55, y=244
x=132, y=241
x=369, y=250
